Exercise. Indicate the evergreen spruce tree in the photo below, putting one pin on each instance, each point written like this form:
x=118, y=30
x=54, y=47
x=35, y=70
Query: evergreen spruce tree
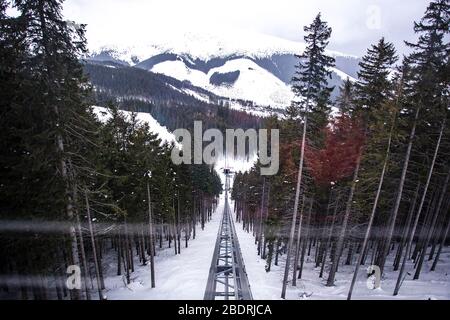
x=312, y=98
x=345, y=100
x=430, y=59
x=427, y=107
x=310, y=82
x=374, y=86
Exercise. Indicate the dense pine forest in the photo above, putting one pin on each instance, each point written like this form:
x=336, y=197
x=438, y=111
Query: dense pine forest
x=370, y=184
x=84, y=188
x=363, y=178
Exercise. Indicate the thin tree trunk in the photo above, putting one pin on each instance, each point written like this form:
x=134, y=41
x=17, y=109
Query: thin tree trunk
x=119, y=255
x=296, y=204
x=407, y=227
x=431, y=229
x=385, y=249
x=277, y=250
x=127, y=252
x=83, y=259
x=266, y=213
x=330, y=235
x=423, y=230
x=260, y=233
x=178, y=226
x=339, y=247
x=441, y=245
x=142, y=245
x=94, y=251
x=430, y=173
x=302, y=258
x=372, y=214
x=150, y=226
x=297, y=246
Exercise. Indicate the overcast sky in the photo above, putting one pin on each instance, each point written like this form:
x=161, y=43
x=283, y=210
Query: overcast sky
x=356, y=23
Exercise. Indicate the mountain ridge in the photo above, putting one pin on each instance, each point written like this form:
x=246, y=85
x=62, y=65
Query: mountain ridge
x=264, y=65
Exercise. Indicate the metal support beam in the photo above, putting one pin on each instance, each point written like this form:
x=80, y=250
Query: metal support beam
x=227, y=276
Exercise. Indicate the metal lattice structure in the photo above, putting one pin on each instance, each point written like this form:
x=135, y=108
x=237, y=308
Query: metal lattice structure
x=227, y=277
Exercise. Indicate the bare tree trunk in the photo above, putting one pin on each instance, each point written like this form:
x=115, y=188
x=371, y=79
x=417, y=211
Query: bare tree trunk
x=302, y=258
x=321, y=242
x=407, y=227
x=119, y=255
x=178, y=225
x=150, y=226
x=266, y=213
x=94, y=251
x=330, y=235
x=187, y=232
x=385, y=249
x=441, y=245
x=141, y=238
x=431, y=229
x=83, y=259
x=296, y=204
x=422, y=234
x=372, y=215
x=127, y=252
x=297, y=246
x=430, y=173
x=340, y=243
x=260, y=233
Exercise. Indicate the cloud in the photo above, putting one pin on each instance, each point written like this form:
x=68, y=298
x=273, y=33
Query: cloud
x=355, y=23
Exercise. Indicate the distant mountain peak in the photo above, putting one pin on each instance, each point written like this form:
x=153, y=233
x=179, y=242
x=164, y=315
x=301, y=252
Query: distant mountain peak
x=237, y=65
x=204, y=45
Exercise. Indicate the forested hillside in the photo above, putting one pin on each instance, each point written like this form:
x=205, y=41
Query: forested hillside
x=370, y=184
x=173, y=103
x=72, y=188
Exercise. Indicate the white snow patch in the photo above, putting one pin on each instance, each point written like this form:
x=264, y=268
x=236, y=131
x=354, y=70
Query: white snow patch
x=253, y=84
x=343, y=75
x=163, y=133
x=197, y=95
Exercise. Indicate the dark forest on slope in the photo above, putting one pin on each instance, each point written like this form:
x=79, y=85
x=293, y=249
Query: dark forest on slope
x=142, y=91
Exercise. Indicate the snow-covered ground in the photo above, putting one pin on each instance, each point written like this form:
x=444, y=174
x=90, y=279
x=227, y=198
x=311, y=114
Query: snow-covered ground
x=182, y=276
x=431, y=285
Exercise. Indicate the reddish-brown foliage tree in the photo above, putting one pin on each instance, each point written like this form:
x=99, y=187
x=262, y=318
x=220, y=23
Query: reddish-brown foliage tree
x=344, y=138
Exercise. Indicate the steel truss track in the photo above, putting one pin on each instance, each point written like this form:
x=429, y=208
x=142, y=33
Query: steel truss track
x=227, y=276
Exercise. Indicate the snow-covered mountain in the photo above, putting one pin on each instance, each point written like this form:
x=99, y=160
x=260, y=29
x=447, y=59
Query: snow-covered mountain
x=235, y=65
x=238, y=78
